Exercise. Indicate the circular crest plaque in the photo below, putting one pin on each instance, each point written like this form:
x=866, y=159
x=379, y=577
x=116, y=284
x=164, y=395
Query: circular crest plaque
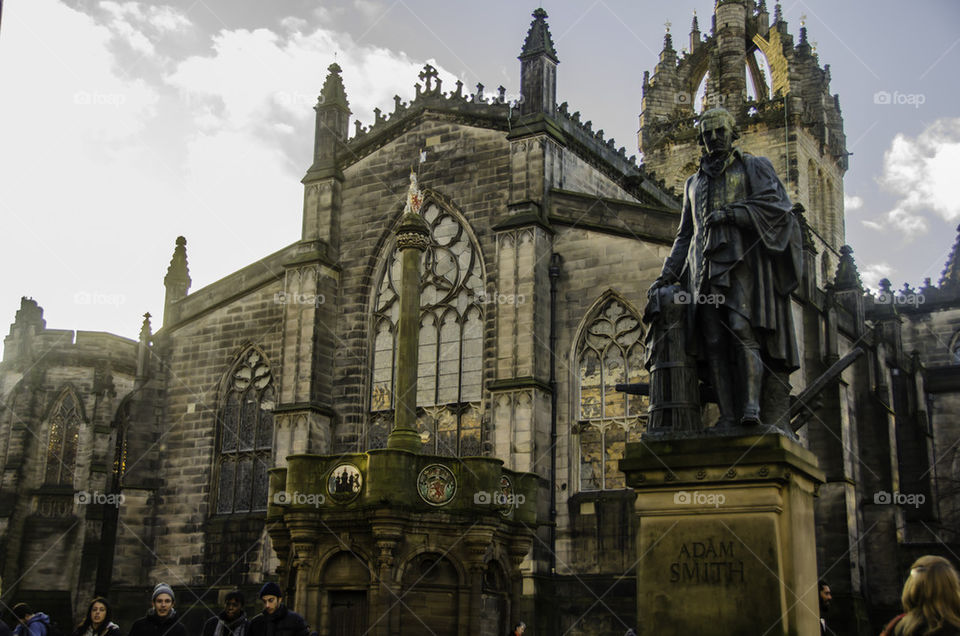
x=436, y=484
x=344, y=483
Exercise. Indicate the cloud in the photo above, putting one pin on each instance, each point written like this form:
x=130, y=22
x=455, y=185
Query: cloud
x=210, y=146
x=873, y=273
x=851, y=203
x=141, y=25
x=921, y=172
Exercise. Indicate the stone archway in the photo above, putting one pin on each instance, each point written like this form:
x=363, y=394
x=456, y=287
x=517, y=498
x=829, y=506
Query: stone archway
x=430, y=596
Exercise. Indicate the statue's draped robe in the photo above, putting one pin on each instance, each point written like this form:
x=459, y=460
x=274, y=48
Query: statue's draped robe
x=754, y=264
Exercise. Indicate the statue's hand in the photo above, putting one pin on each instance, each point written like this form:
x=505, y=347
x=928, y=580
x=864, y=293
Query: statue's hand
x=723, y=215
x=655, y=287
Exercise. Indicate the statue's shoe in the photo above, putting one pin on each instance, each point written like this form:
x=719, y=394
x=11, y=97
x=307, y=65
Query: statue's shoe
x=751, y=417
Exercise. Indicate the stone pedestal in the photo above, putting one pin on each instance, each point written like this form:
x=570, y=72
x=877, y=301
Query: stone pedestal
x=726, y=536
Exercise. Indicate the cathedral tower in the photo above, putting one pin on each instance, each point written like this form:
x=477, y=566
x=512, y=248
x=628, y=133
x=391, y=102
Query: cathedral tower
x=783, y=108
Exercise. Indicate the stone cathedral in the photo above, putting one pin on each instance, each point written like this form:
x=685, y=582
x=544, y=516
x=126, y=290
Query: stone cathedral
x=245, y=437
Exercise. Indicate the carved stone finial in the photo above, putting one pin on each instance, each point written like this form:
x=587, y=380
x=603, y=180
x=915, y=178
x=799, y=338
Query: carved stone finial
x=429, y=75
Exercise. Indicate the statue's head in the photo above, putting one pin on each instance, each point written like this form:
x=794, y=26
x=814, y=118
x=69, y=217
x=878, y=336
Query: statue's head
x=717, y=131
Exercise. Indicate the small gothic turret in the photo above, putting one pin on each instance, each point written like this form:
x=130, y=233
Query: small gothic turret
x=694, y=34
x=143, y=347
x=848, y=277
x=332, y=121
x=177, y=281
x=538, y=68
x=950, y=277
x=27, y=323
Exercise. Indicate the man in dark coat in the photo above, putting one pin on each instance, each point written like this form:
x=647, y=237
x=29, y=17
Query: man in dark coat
x=161, y=619
x=736, y=258
x=232, y=621
x=276, y=619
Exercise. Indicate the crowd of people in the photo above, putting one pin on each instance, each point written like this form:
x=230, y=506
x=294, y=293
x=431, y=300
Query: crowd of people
x=162, y=619
x=931, y=607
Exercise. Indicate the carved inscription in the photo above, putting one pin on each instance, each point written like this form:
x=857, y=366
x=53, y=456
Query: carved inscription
x=707, y=562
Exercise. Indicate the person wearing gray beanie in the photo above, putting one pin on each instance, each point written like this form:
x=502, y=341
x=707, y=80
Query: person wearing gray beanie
x=162, y=588
x=162, y=618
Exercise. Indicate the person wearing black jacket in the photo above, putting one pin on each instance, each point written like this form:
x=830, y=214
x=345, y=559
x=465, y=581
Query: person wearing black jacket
x=276, y=619
x=232, y=621
x=161, y=619
x=97, y=621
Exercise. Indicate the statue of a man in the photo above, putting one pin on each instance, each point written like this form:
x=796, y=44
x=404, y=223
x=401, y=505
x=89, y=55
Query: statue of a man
x=736, y=258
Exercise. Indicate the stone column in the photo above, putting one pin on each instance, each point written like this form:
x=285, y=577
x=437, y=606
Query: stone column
x=413, y=238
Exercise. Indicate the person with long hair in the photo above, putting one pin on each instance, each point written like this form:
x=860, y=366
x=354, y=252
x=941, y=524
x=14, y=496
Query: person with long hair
x=931, y=600
x=96, y=622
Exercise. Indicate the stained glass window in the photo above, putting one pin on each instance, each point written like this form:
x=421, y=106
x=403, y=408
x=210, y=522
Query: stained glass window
x=610, y=352
x=62, y=442
x=451, y=341
x=245, y=436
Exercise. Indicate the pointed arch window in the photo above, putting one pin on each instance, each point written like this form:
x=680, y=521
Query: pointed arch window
x=61, y=459
x=449, y=379
x=610, y=351
x=245, y=436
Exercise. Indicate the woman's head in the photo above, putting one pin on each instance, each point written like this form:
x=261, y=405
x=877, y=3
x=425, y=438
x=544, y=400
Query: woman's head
x=98, y=613
x=931, y=595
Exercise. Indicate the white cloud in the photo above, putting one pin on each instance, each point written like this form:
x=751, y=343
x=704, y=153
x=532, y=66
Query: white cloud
x=140, y=26
x=921, y=172
x=851, y=203
x=873, y=273
x=103, y=170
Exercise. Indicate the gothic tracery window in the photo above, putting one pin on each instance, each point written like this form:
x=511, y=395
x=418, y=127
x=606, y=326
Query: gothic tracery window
x=449, y=379
x=61, y=456
x=245, y=437
x=609, y=352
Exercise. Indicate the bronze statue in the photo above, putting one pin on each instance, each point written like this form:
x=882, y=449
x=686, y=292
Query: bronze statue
x=734, y=263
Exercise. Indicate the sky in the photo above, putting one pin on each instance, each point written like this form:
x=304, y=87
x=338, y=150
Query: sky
x=126, y=124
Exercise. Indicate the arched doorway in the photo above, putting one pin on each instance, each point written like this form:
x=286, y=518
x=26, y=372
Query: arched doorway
x=346, y=579
x=430, y=596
